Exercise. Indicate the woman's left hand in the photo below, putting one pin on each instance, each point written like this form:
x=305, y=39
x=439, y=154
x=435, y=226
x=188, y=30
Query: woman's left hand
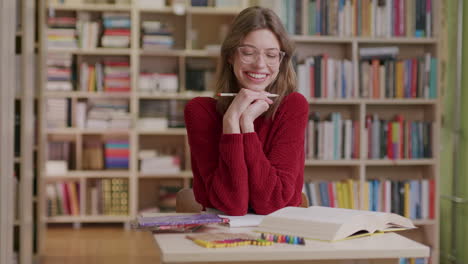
x=251, y=113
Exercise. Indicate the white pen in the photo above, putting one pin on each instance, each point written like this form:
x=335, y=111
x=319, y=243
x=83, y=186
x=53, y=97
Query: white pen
x=234, y=94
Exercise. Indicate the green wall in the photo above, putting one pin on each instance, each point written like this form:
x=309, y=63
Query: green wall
x=447, y=134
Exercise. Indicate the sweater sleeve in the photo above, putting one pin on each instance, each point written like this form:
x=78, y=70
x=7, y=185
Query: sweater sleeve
x=274, y=176
x=218, y=164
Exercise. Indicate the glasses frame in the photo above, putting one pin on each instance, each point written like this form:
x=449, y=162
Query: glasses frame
x=257, y=53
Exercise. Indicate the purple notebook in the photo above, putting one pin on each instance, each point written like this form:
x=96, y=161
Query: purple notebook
x=176, y=220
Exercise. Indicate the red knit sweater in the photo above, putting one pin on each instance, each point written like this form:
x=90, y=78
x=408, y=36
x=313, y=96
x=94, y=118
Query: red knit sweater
x=262, y=170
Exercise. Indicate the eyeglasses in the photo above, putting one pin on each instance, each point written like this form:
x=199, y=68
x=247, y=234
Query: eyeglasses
x=249, y=55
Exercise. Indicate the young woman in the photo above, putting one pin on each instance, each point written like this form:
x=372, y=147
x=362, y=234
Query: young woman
x=247, y=150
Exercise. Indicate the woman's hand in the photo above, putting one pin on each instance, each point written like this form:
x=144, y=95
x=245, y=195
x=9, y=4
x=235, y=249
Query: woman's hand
x=243, y=100
x=251, y=113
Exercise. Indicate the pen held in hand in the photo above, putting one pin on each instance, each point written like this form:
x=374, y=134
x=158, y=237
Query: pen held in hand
x=234, y=94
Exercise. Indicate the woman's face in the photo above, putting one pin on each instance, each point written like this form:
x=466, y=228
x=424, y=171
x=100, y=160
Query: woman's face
x=257, y=59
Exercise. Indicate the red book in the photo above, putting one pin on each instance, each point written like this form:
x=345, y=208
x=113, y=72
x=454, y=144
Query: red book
x=121, y=89
x=115, y=152
x=66, y=198
x=117, y=32
x=331, y=195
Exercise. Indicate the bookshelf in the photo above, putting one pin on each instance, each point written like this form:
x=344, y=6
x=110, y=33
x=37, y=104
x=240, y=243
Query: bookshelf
x=18, y=120
x=193, y=51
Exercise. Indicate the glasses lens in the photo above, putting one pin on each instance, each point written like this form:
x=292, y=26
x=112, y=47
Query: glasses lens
x=249, y=55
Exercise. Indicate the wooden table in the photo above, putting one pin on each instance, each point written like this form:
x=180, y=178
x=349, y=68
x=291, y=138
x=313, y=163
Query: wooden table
x=381, y=248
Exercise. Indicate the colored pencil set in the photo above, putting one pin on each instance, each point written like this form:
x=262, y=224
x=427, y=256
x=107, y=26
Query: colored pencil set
x=294, y=240
x=223, y=240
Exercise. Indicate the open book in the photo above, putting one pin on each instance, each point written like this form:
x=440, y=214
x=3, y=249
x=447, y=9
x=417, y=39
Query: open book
x=331, y=224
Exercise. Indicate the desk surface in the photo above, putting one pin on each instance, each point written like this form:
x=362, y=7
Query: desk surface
x=176, y=248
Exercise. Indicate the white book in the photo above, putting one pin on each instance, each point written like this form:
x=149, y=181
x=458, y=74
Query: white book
x=348, y=138
x=331, y=224
x=425, y=199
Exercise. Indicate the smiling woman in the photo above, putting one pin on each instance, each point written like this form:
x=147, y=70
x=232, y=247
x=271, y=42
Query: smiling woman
x=247, y=151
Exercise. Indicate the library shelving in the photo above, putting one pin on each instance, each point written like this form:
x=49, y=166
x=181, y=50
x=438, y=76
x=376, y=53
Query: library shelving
x=22, y=88
x=168, y=54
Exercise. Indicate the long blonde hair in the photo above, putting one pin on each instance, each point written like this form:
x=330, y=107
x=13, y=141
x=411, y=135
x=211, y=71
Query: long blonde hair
x=250, y=19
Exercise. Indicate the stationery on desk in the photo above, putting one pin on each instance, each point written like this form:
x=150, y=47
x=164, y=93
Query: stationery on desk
x=290, y=225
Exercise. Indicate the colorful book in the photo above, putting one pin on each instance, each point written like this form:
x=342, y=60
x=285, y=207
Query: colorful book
x=180, y=220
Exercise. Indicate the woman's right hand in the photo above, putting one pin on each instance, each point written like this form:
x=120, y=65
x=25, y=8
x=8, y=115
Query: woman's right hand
x=245, y=97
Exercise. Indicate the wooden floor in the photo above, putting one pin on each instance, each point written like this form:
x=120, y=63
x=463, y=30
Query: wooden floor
x=98, y=245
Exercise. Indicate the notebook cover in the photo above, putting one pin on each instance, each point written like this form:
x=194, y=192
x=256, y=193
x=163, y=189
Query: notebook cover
x=178, y=220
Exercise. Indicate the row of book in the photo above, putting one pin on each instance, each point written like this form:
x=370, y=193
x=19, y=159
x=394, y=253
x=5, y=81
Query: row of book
x=116, y=30
x=161, y=161
x=414, y=261
x=398, y=138
x=324, y=77
x=107, y=197
x=161, y=114
x=103, y=197
x=414, y=199
x=59, y=72
x=368, y=18
x=332, y=139
x=111, y=113
x=109, y=154
x=57, y=112
x=158, y=82
x=63, y=198
x=381, y=75
x=105, y=76
x=339, y=194
x=61, y=32
x=398, y=78
x=156, y=35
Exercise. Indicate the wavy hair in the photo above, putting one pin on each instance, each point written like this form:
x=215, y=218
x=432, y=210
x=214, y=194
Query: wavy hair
x=250, y=19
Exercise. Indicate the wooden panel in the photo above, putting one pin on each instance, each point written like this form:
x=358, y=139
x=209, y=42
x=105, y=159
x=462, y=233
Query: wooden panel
x=7, y=84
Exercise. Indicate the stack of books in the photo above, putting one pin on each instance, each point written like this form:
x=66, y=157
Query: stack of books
x=57, y=113
x=156, y=35
x=117, y=76
x=116, y=154
x=116, y=30
x=108, y=113
x=59, y=73
x=152, y=162
x=153, y=115
x=158, y=82
x=61, y=32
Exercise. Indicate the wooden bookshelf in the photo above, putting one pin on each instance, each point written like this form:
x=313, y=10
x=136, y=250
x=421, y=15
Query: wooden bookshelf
x=186, y=52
